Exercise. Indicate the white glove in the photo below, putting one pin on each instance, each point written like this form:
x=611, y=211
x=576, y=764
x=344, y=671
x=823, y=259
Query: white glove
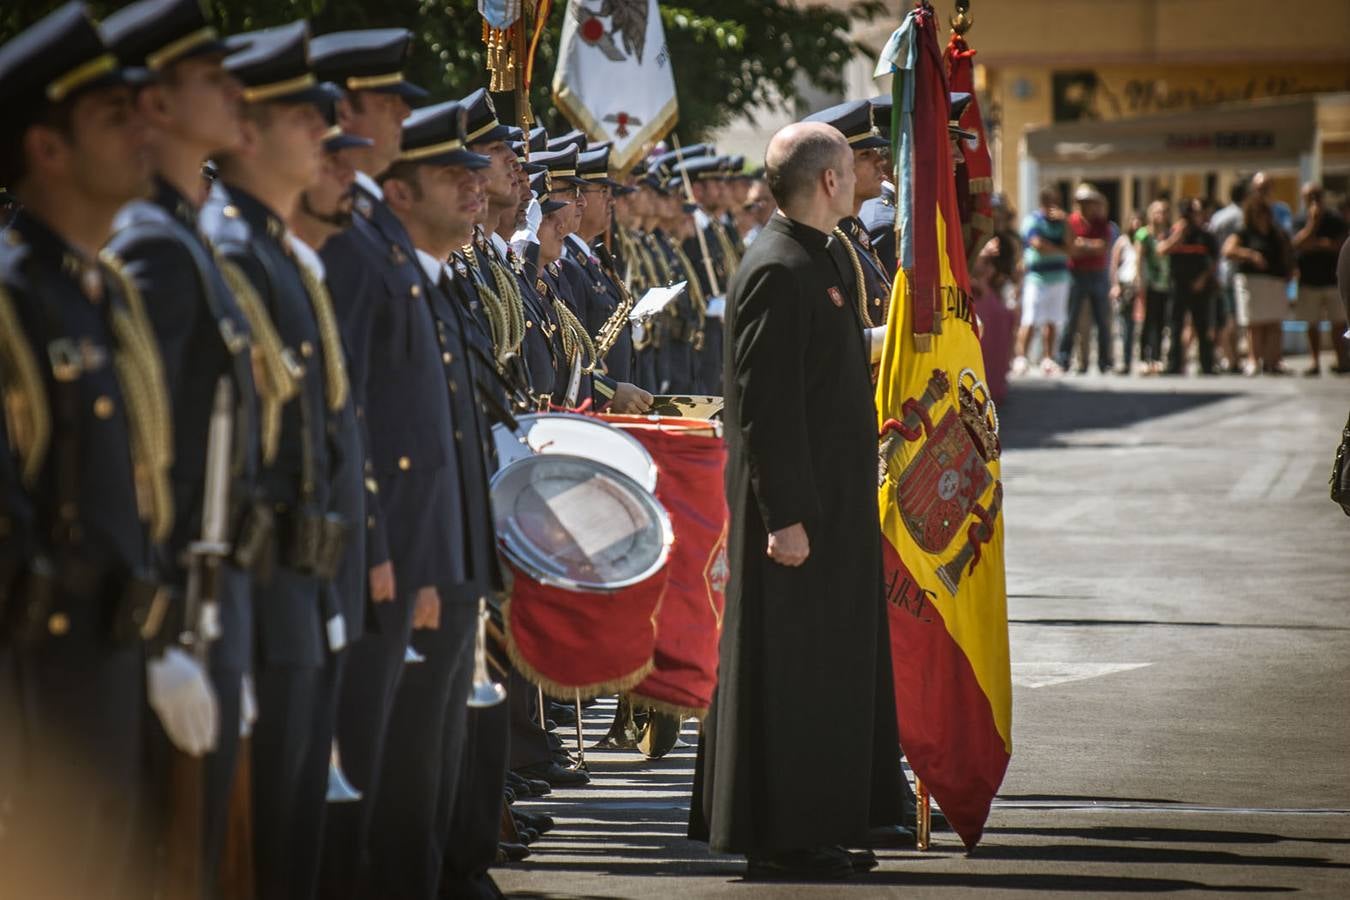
x=248, y=706
x=181, y=695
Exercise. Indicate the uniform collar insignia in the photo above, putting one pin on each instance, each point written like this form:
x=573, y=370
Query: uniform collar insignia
x=363, y=205
x=396, y=255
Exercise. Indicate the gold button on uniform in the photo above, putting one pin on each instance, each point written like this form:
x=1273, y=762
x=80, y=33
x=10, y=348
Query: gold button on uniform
x=370, y=521
x=459, y=435
x=230, y=212
x=454, y=388
x=415, y=290
x=58, y=624
x=306, y=348
x=447, y=357
x=103, y=407
x=404, y=463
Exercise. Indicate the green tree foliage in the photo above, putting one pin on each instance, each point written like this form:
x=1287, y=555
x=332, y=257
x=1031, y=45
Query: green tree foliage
x=729, y=55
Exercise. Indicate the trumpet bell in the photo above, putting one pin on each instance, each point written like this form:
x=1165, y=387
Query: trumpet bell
x=486, y=693
x=340, y=790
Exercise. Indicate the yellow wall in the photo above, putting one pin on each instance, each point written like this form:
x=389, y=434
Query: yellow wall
x=1023, y=96
x=1151, y=56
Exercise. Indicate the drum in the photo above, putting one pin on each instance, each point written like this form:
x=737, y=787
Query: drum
x=587, y=548
x=575, y=435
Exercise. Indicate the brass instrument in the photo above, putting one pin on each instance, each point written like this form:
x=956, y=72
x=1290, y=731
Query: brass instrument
x=485, y=692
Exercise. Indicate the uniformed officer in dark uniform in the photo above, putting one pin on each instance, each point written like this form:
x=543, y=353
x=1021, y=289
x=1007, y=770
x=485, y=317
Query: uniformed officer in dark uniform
x=608, y=302
x=871, y=282
x=350, y=491
x=90, y=431
x=707, y=176
x=260, y=184
x=507, y=292
x=204, y=336
x=435, y=192
x=380, y=292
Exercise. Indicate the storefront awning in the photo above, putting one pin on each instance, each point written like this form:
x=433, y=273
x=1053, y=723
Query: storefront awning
x=1260, y=133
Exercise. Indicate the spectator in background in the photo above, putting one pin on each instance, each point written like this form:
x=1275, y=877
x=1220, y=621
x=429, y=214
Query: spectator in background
x=1090, y=284
x=1155, y=283
x=1045, y=287
x=1280, y=212
x=1192, y=259
x=997, y=321
x=1318, y=235
x=1227, y=221
x=1125, y=292
x=1263, y=260
x=1008, y=261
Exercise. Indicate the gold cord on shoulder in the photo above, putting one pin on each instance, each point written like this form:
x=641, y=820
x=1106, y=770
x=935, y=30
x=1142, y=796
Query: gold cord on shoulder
x=140, y=372
x=27, y=419
x=857, y=274
x=334, y=358
x=272, y=376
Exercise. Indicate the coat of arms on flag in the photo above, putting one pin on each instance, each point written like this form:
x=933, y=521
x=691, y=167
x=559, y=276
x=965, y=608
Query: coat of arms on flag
x=614, y=79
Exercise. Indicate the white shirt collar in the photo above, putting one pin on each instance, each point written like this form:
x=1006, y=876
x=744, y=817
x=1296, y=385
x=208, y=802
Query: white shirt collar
x=367, y=184
x=434, y=267
x=582, y=247
x=500, y=243
x=306, y=255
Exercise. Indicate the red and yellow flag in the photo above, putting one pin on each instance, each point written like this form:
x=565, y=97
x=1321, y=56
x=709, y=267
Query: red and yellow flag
x=940, y=492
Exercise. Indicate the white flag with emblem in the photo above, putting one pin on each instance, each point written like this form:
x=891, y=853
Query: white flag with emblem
x=614, y=79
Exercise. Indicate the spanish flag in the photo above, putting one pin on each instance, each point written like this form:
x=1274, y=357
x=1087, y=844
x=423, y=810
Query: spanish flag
x=939, y=488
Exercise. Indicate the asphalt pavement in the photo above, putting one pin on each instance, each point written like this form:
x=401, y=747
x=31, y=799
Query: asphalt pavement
x=1179, y=604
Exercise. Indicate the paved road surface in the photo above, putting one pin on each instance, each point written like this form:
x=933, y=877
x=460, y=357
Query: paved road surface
x=1180, y=604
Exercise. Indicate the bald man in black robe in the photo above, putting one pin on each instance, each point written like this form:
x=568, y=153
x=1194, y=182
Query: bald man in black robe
x=799, y=753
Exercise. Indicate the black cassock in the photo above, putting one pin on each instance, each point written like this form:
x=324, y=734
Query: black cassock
x=800, y=747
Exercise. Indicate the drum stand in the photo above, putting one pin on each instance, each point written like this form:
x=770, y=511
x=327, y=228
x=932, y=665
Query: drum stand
x=581, y=742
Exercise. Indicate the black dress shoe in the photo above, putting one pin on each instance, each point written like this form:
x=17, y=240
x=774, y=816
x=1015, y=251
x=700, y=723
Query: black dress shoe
x=527, y=787
x=563, y=715
x=526, y=834
x=555, y=775
x=512, y=852
x=862, y=860
x=510, y=794
x=821, y=864
x=540, y=822
x=889, y=836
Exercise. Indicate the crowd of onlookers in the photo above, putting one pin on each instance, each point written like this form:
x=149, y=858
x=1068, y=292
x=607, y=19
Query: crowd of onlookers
x=1188, y=280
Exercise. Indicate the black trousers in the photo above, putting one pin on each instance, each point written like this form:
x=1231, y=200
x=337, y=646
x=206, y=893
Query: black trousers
x=475, y=820
x=425, y=743
x=1197, y=305
x=79, y=821
x=218, y=769
x=370, y=678
x=307, y=845
x=283, y=750
x=1155, y=315
x=710, y=359
x=529, y=741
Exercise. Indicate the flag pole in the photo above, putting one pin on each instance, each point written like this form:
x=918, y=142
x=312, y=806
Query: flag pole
x=923, y=816
x=702, y=239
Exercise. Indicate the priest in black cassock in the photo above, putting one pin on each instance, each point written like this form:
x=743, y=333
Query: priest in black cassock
x=799, y=752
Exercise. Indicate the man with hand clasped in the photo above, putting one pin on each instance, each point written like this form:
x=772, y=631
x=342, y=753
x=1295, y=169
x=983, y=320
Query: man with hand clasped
x=798, y=756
